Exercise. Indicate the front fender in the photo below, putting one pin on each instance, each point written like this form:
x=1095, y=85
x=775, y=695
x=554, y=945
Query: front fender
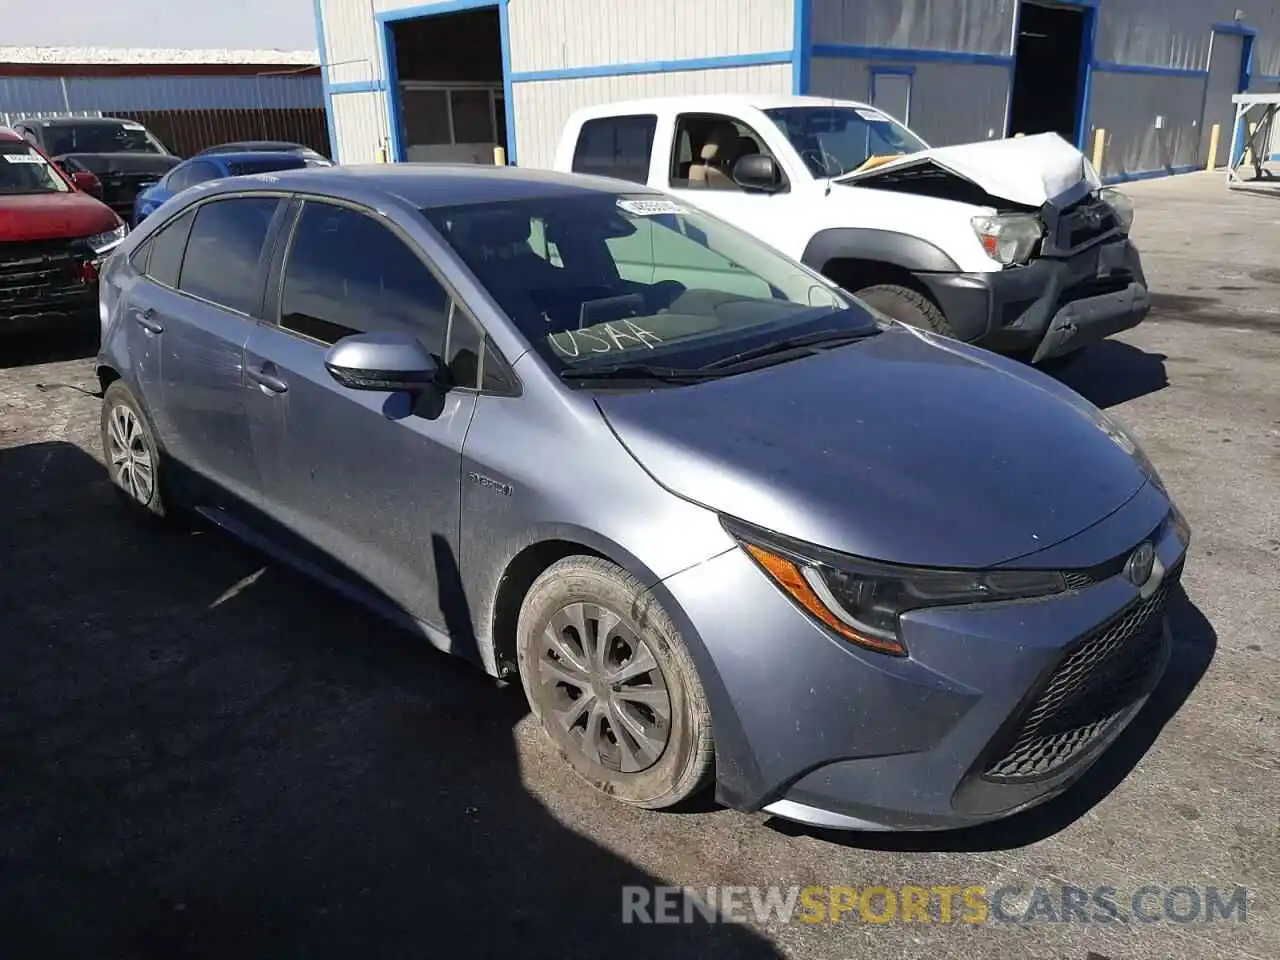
x=886, y=246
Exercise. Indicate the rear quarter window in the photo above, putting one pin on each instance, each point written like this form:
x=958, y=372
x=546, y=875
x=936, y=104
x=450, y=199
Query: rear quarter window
x=160, y=256
x=616, y=147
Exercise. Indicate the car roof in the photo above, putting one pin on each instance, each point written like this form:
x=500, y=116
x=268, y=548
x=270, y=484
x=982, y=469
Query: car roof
x=77, y=121
x=257, y=146
x=432, y=184
x=712, y=103
x=238, y=156
x=7, y=134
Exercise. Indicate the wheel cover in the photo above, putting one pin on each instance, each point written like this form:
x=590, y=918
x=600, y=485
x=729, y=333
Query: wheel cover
x=132, y=466
x=602, y=689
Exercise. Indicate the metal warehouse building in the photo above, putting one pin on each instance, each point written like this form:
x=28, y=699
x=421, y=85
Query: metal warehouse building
x=190, y=99
x=408, y=80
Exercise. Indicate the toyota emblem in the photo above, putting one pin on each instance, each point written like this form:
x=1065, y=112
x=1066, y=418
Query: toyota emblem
x=1141, y=564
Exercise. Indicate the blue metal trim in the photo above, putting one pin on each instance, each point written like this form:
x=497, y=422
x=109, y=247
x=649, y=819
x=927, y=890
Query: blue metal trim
x=1266, y=77
x=324, y=80
x=845, y=51
x=1085, y=76
x=508, y=92
x=1152, y=174
x=1106, y=66
x=802, y=47
x=357, y=86
x=1237, y=29
x=433, y=9
x=391, y=75
x=655, y=66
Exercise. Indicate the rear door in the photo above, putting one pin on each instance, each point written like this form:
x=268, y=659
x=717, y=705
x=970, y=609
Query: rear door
x=220, y=283
x=368, y=478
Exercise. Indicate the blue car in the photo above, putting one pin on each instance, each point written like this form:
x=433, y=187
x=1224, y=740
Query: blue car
x=214, y=166
x=725, y=523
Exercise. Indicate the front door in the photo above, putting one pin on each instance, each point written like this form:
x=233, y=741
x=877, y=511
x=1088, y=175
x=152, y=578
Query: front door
x=368, y=478
x=1226, y=58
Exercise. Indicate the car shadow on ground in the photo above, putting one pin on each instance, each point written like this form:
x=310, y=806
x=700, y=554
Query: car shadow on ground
x=29, y=348
x=1194, y=644
x=1114, y=372
x=208, y=756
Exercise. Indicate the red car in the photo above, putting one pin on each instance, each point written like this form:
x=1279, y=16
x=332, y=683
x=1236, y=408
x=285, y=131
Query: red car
x=53, y=237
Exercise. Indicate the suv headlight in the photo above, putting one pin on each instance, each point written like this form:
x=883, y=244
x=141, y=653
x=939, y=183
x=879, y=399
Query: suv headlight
x=104, y=242
x=1009, y=238
x=1120, y=204
x=862, y=600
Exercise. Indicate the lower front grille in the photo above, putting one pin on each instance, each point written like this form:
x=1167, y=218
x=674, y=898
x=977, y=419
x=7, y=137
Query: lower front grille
x=37, y=275
x=1090, y=690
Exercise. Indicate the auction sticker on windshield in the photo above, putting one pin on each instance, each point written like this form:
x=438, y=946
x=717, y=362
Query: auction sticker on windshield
x=24, y=158
x=132, y=125
x=650, y=208
x=871, y=115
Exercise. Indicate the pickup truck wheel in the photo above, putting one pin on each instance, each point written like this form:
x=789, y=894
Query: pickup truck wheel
x=609, y=677
x=907, y=306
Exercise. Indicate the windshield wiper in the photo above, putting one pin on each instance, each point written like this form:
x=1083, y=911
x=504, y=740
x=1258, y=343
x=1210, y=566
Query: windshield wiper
x=820, y=338
x=638, y=371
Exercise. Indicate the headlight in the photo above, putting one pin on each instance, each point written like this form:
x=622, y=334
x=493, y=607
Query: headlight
x=1121, y=205
x=102, y=242
x=1009, y=238
x=862, y=600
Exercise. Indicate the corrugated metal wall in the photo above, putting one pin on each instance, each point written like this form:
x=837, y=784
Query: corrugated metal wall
x=1125, y=105
x=78, y=93
x=971, y=26
x=361, y=122
x=552, y=34
x=543, y=106
x=950, y=102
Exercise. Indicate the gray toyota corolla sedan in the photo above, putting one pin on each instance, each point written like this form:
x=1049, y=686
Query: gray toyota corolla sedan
x=722, y=521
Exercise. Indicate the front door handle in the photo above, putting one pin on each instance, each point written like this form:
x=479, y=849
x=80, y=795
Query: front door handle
x=147, y=320
x=269, y=382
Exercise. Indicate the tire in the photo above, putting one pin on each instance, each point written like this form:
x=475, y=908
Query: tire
x=591, y=591
x=129, y=445
x=906, y=305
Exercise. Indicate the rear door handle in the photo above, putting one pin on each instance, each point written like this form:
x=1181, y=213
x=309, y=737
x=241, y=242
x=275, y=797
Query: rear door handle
x=147, y=320
x=269, y=382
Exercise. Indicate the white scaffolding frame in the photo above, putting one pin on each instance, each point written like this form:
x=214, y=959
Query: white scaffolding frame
x=1254, y=123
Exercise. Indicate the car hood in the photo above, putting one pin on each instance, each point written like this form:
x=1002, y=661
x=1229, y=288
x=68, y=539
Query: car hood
x=47, y=216
x=129, y=163
x=903, y=448
x=1030, y=171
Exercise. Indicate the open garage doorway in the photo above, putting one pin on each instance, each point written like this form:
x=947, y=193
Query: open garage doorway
x=1050, y=69
x=447, y=96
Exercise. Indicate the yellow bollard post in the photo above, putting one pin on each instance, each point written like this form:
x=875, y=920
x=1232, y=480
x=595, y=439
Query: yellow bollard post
x=1215, y=134
x=1017, y=135
x=1099, y=144
x=381, y=155
x=499, y=156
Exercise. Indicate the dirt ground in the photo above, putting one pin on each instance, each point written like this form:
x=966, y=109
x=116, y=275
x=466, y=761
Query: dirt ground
x=203, y=755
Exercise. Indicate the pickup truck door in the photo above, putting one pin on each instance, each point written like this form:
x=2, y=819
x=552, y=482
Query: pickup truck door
x=770, y=217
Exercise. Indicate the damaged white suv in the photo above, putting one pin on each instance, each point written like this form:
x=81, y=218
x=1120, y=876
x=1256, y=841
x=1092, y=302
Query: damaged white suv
x=1014, y=244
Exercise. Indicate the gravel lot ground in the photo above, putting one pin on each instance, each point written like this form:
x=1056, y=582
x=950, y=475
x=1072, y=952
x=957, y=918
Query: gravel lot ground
x=203, y=755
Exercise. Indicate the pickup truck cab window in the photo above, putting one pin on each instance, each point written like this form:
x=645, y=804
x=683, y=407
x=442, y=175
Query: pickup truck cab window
x=617, y=147
x=705, y=148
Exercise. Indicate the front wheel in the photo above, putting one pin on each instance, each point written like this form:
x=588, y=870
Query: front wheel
x=906, y=306
x=608, y=676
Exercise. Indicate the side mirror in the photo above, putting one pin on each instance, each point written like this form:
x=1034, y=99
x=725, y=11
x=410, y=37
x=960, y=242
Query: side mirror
x=386, y=362
x=86, y=181
x=755, y=171
x=147, y=185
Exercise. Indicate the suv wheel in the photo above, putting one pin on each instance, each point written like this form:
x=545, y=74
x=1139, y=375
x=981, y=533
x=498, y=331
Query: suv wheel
x=608, y=676
x=130, y=450
x=906, y=306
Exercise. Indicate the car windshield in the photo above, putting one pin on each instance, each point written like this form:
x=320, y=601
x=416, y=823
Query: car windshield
x=600, y=280
x=23, y=170
x=122, y=137
x=837, y=140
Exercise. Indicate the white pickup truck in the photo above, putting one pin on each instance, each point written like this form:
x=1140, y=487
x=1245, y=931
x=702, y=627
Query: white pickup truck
x=1011, y=244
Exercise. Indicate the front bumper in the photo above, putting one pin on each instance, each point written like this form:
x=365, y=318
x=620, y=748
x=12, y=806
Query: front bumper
x=1050, y=307
x=998, y=707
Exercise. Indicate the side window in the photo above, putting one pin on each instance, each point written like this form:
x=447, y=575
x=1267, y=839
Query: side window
x=224, y=253
x=707, y=146
x=616, y=147
x=347, y=273
x=165, y=247
x=188, y=175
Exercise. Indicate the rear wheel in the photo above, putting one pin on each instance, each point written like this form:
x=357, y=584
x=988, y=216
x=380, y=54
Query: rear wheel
x=130, y=450
x=906, y=306
x=609, y=678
